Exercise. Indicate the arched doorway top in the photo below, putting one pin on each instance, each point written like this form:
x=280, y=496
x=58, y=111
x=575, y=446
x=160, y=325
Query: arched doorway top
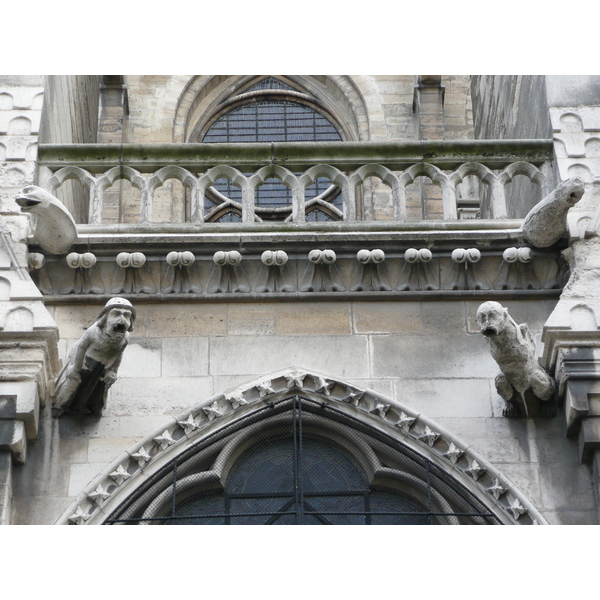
x=457, y=459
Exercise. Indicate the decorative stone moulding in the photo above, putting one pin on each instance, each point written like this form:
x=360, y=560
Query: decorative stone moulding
x=370, y=273
x=524, y=385
x=181, y=275
x=35, y=265
x=133, y=275
x=374, y=272
x=426, y=438
x=321, y=274
x=86, y=278
x=464, y=273
x=274, y=275
x=228, y=275
x=517, y=272
x=418, y=273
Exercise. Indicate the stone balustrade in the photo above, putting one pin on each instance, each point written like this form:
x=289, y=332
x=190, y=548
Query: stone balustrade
x=297, y=165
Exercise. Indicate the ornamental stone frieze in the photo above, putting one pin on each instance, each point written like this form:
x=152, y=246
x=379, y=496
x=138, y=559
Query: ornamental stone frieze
x=394, y=270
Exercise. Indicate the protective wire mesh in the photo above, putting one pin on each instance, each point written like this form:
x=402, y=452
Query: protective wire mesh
x=298, y=461
x=273, y=121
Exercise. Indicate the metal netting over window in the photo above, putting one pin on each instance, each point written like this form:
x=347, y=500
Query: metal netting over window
x=271, y=121
x=270, y=83
x=274, y=120
x=298, y=461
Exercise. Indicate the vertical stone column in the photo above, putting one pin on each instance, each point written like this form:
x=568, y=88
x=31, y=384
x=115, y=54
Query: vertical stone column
x=428, y=103
x=5, y=488
x=28, y=334
x=114, y=110
x=571, y=334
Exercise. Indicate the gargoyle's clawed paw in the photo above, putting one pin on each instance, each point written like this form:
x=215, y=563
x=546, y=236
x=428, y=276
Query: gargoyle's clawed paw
x=510, y=410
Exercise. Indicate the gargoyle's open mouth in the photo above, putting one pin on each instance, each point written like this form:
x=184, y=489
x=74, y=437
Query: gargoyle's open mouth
x=119, y=328
x=25, y=202
x=488, y=331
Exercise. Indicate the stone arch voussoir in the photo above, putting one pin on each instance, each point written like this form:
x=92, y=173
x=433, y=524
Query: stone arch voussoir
x=124, y=475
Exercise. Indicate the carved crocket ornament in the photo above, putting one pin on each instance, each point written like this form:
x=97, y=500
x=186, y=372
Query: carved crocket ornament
x=523, y=384
x=83, y=384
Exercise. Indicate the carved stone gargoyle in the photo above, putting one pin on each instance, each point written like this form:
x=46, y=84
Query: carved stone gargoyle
x=523, y=384
x=82, y=386
x=55, y=229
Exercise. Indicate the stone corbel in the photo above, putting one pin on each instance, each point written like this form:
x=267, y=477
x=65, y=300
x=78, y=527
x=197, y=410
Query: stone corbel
x=19, y=417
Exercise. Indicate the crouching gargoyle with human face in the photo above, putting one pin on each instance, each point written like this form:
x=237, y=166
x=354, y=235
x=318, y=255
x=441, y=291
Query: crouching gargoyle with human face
x=82, y=386
x=523, y=384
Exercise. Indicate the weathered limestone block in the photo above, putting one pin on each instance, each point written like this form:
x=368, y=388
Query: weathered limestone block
x=94, y=360
x=526, y=388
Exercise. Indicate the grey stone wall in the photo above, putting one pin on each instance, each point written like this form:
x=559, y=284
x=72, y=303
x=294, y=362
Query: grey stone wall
x=427, y=355
x=512, y=107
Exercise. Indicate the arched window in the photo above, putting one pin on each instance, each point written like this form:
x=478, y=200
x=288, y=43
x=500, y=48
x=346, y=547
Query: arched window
x=297, y=461
x=271, y=111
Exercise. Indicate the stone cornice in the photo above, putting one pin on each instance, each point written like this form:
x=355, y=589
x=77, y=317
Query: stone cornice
x=344, y=155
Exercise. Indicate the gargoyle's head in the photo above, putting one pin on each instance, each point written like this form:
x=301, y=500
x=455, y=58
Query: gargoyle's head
x=118, y=322
x=491, y=318
x=32, y=198
x=572, y=190
x=117, y=318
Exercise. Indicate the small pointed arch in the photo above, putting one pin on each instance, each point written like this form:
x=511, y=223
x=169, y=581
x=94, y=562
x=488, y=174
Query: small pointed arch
x=19, y=319
x=136, y=179
x=19, y=126
x=360, y=443
x=38, y=101
x=6, y=101
x=570, y=122
x=398, y=197
x=592, y=147
x=66, y=173
x=580, y=170
x=199, y=203
x=168, y=198
x=4, y=289
x=521, y=168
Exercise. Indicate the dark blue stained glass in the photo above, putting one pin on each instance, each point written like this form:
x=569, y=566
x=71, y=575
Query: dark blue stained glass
x=263, y=486
x=317, y=215
x=229, y=217
x=272, y=121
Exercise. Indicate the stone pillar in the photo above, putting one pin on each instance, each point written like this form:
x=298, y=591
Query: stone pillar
x=428, y=103
x=571, y=335
x=28, y=333
x=5, y=488
x=114, y=110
